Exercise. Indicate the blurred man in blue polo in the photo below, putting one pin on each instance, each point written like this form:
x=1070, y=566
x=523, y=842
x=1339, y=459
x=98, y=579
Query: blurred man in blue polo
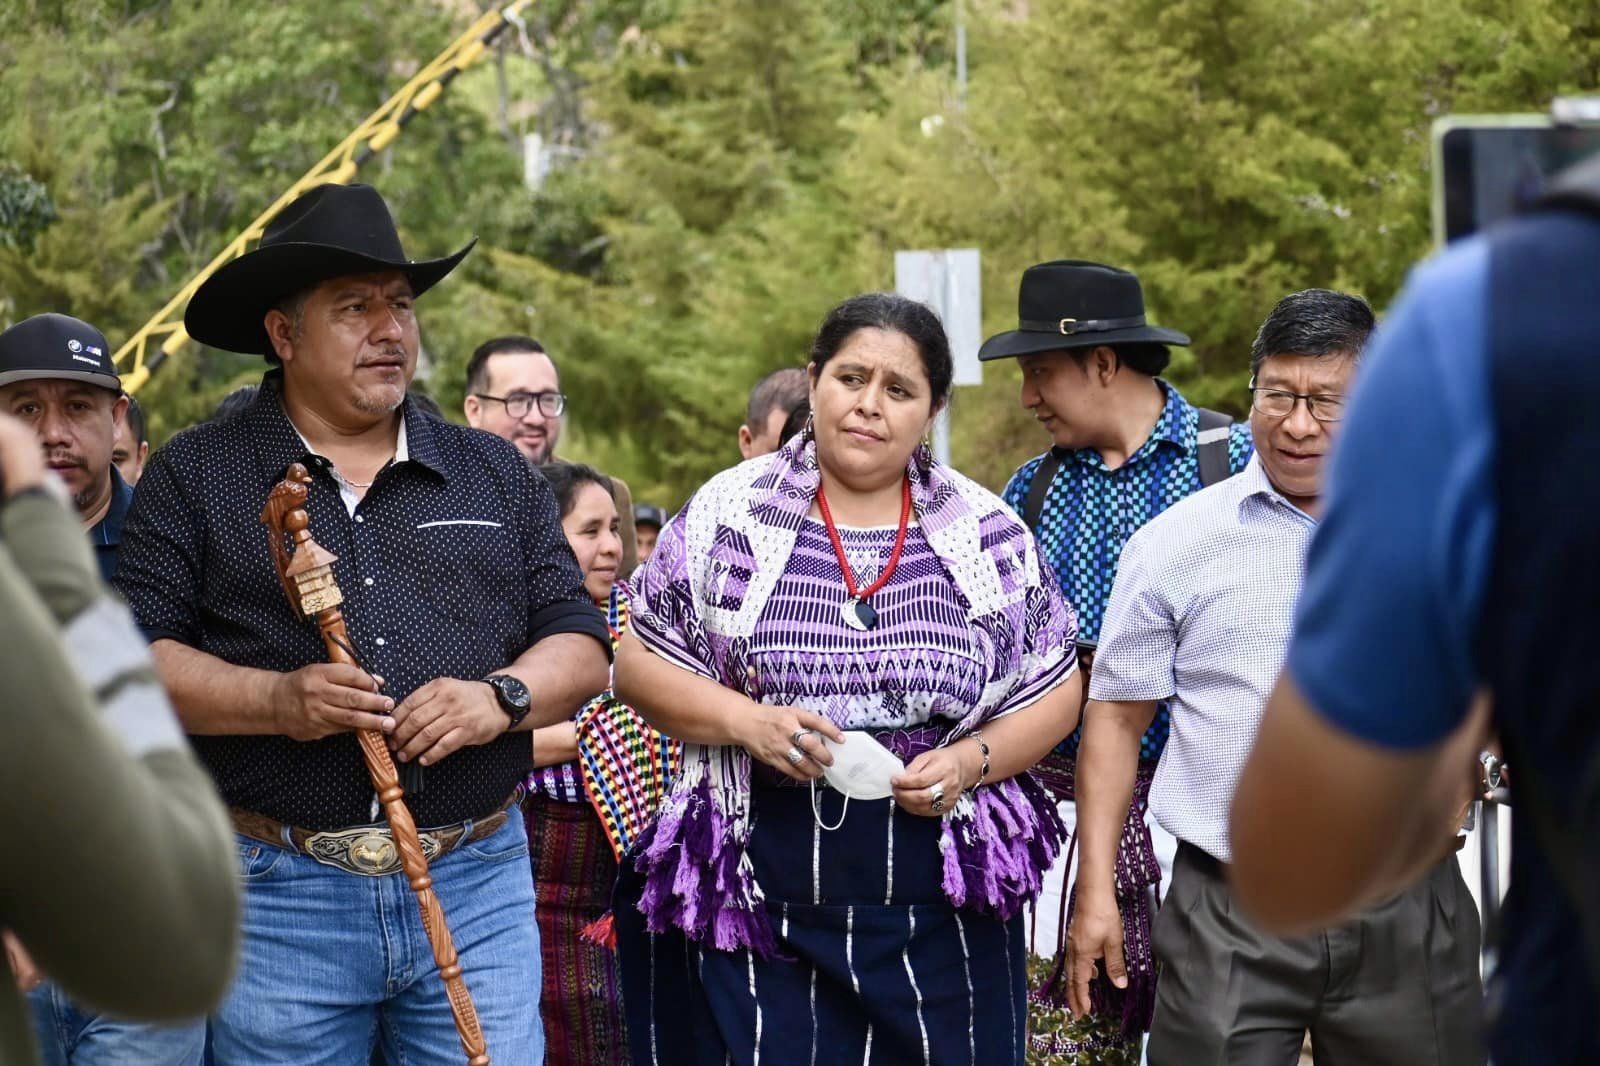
x=1455, y=569
x=1125, y=446
x=56, y=375
x=1200, y=619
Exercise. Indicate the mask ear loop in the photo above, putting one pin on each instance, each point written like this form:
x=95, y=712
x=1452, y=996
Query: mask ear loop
x=816, y=810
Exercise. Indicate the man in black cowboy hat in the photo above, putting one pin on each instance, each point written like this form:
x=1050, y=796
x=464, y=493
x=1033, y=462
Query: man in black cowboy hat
x=1125, y=445
x=468, y=616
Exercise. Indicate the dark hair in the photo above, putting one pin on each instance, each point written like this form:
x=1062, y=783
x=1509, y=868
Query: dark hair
x=888, y=311
x=781, y=390
x=233, y=404
x=135, y=417
x=477, y=366
x=1149, y=358
x=1314, y=322
x=795, y=422
x=426, y=404
x=566, y=478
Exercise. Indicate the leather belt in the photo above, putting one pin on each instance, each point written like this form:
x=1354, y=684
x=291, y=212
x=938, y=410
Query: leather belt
x=367, y=850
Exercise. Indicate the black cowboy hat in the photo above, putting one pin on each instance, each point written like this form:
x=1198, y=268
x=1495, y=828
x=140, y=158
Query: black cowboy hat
x=328, y=232
x=1071, y=303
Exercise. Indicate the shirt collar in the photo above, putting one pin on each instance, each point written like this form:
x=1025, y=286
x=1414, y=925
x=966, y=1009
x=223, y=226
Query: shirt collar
x=108, y=531
x=279, y=443
x=1177, y=425
x=1253, y=484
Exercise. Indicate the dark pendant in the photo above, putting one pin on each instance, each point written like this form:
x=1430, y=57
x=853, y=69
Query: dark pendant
x=859, y=615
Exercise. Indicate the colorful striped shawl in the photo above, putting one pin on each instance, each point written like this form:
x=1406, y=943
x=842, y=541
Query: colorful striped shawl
x=625, y=764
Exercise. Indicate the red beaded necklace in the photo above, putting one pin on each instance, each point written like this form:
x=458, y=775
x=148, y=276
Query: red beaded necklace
x=857, y=613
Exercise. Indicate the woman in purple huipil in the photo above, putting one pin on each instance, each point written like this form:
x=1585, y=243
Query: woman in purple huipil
x=848, y=582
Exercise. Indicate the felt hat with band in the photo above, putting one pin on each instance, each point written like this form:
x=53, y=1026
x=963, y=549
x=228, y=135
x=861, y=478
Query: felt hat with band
x=328, y=232
x=1072, y=303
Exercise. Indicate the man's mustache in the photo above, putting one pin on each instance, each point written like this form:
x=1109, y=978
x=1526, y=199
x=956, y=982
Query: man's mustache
x=64, y=459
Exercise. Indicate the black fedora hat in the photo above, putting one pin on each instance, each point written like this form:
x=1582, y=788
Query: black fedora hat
x=327, y=232
x=1072, y=303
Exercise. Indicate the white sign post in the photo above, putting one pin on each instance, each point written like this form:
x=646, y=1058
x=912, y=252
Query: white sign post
x=948, y=280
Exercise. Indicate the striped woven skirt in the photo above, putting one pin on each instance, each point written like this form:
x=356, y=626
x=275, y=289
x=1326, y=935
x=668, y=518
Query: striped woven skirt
x=875, y=965
x=573, y=874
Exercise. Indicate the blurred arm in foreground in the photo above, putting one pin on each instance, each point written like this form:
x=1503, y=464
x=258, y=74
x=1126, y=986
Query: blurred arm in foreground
x=124, y=885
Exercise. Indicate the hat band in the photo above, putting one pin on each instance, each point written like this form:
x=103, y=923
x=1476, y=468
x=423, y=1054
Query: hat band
x=1069, y=326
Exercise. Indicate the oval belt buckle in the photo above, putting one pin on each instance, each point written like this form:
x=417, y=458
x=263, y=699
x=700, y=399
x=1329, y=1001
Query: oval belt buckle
x=372, y=853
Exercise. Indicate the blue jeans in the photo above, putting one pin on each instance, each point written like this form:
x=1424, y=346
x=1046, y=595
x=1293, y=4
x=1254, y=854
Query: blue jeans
x=70, y=1035
x=333, y=963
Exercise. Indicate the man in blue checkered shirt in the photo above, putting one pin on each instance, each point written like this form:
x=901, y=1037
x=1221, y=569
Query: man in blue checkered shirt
x=1125, y=447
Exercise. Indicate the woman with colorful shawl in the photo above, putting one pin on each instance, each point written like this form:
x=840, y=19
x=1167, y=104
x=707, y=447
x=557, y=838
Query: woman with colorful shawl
x=597, y=779
x=847, y=582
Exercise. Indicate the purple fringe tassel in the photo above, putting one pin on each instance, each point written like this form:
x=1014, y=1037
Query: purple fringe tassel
x=998, y=844
x=1138, y=874
x=698, y=878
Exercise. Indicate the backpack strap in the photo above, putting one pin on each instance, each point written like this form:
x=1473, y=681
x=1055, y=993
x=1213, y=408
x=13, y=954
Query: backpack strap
x=1039, y=488
x=1213, y=439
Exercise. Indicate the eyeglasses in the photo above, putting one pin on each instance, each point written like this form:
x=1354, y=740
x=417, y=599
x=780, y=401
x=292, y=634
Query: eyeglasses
x=518, y=404
x=1276, y=403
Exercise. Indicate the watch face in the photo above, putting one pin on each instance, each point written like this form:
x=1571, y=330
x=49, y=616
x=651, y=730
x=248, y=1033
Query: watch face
x=513, y=692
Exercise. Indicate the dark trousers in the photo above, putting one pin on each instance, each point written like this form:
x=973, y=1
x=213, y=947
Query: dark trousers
x=1397, y=986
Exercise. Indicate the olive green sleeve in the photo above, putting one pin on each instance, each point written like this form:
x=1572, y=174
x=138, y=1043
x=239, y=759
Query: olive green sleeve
x=47, y=542
x=121, y=879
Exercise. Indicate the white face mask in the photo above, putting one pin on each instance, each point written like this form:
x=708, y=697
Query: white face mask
x=862, y=769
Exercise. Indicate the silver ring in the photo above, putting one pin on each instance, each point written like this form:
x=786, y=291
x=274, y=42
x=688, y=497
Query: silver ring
x=798, y=734
x=796, y=756
x=938, y=805
x=936, y=794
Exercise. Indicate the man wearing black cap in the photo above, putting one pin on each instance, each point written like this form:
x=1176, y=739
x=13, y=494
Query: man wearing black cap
x=648, y=520
x=56, y=374
x=1125, y=446
x=467, y=614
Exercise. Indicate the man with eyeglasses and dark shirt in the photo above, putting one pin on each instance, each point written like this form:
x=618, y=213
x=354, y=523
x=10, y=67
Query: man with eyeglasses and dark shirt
x=514, y=392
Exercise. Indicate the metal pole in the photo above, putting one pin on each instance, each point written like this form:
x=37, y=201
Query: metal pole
x=961, y=52
x=941, y=435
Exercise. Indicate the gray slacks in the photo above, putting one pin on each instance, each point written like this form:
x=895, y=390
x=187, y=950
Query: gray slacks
x=1397, y=986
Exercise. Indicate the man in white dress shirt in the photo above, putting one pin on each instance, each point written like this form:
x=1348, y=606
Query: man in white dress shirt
x=1199, y=618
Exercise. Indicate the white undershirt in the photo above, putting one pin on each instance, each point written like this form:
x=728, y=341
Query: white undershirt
x=349, y=495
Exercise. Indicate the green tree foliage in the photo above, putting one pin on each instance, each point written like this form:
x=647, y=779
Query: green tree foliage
x=737, y=166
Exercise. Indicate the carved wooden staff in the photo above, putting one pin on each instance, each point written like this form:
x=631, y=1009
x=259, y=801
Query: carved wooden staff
x=306, y=571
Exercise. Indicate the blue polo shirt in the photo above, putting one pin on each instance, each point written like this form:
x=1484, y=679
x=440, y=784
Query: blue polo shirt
x=106, y=534
x=1397, y=577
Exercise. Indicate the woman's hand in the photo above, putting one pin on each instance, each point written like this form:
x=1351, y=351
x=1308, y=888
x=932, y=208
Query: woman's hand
x=937, y=775
x=773, y=734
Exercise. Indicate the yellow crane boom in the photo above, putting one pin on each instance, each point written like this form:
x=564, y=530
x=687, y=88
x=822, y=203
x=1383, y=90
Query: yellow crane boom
x=164, y=335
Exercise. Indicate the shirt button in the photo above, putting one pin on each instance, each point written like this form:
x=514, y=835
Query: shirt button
x=379, y=642
x=367, y=581
x=360, y=518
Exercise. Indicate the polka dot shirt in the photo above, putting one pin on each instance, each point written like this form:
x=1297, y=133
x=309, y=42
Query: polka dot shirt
x=452, y=565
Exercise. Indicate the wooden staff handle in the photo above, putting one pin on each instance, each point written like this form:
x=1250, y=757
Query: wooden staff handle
x=307, y=575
